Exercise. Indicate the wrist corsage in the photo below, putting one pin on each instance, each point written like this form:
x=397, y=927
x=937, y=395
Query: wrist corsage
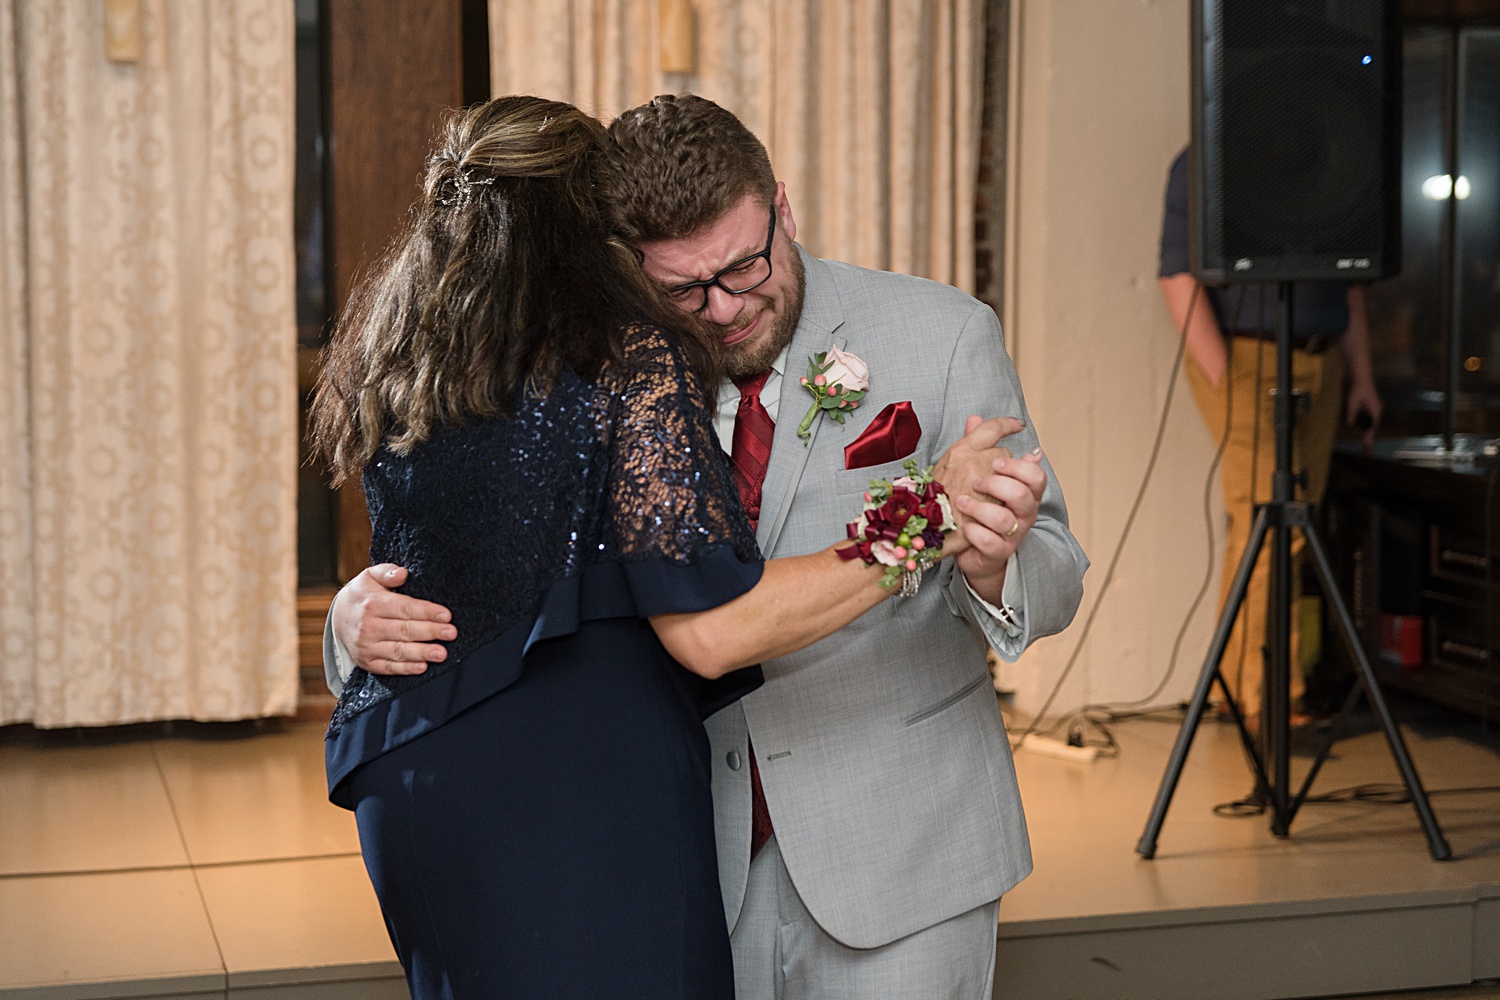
x=902, y=527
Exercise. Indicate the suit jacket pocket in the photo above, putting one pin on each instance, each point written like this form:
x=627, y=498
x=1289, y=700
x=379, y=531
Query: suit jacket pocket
x=948, y=702
x=848, y=482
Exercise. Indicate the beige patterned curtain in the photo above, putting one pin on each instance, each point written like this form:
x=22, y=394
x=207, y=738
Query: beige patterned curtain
x=148, y=419
x=870, y=108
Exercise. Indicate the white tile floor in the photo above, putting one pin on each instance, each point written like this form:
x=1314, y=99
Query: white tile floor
x=183, y=865
x=1359, y=858
x=186, y=866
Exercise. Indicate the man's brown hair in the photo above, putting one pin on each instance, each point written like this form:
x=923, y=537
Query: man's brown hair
x=678, y=164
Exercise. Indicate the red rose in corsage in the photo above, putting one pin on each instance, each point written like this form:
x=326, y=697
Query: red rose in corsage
x=902, y=527
x=838, y=381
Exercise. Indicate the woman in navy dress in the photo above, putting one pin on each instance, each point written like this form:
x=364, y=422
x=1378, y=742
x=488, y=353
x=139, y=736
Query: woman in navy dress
x=531, y=421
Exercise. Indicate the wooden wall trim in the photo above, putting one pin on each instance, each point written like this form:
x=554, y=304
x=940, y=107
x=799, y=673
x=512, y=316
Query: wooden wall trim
x=391, y=70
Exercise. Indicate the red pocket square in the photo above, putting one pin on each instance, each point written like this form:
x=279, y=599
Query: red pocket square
x=893, y=434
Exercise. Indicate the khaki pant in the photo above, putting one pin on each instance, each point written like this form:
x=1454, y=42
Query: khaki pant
x=1249, y=460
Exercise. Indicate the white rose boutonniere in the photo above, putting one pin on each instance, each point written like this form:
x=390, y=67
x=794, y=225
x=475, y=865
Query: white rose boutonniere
x=837, y=381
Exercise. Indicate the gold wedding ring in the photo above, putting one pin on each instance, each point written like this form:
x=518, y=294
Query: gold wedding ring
x=1013, y=529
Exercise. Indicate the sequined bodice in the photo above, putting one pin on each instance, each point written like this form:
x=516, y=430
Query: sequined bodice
x=488, y=515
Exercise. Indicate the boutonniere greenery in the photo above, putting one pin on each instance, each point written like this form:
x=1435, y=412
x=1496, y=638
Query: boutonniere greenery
x=837, y=381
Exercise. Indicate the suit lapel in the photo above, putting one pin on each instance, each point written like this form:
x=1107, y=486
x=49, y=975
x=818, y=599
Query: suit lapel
x=822, y=315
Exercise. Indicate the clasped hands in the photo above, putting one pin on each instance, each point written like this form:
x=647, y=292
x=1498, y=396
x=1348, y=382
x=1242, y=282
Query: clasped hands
x=995, y=497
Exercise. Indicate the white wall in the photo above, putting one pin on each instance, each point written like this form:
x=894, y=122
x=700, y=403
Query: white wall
x=1099, y=98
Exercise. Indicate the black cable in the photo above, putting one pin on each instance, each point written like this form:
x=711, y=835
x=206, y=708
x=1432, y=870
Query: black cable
x=1100, y=715
x=1378, y=793
x=1119, y=711
x=1135, y=507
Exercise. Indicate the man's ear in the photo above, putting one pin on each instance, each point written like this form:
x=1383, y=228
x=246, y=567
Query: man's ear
x=784, y=218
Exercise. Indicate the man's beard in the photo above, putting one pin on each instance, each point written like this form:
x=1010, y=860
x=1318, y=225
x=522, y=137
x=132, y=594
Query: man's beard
x=752, y=361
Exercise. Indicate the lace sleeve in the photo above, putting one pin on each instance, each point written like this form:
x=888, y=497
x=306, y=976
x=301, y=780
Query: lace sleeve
x=671, y=493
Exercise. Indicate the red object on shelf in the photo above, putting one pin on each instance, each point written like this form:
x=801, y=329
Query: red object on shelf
x=1401, y=640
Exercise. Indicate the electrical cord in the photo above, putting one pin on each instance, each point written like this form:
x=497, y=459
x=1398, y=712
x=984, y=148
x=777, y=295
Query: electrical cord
x=1096, y=718
x=1135, y=507
x=1377, y=793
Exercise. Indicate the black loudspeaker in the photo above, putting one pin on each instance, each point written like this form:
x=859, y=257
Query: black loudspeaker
x=1296, y=162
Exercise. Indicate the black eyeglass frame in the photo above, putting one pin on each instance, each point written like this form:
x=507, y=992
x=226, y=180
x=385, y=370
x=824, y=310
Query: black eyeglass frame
x=718, y=276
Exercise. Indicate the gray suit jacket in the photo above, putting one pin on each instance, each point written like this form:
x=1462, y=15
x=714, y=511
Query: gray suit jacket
x=883, y=757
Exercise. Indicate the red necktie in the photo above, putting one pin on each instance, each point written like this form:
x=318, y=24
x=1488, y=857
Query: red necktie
x=751, y=447
x=750, y=451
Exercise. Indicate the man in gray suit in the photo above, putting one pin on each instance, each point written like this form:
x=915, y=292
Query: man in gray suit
x=870, y=860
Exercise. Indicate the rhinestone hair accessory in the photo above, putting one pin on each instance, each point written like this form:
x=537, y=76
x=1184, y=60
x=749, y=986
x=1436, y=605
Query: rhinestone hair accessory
x=464, y=186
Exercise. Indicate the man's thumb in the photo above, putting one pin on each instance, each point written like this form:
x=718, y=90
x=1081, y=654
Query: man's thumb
x=387, y=574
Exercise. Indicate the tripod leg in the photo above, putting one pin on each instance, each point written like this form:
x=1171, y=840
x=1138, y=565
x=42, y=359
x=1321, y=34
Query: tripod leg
x=1276, y=683
x=1146, y=848
x=1257, y=762
x=1436, y=843
x=1335, y=731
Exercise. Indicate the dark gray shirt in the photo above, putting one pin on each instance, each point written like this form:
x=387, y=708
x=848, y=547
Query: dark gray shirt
x=1319, y=308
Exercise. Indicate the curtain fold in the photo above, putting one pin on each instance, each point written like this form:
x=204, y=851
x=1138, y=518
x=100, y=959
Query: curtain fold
x=870, y=108
x=149, y=470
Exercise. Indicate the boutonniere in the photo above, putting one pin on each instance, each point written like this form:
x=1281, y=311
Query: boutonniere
x=838, y=381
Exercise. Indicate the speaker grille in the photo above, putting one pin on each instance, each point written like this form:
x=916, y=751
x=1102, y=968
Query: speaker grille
x=1296, y=107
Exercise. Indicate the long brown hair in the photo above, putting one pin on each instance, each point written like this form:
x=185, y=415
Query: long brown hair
x=505, y=273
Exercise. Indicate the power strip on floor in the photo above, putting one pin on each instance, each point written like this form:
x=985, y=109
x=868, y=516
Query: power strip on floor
x=1048, y=747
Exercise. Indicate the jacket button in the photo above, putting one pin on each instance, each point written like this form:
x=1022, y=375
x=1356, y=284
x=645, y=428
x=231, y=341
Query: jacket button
x=733, y=760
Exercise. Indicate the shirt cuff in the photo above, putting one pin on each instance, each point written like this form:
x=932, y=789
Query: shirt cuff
x=343, y=662
x=1007, y=616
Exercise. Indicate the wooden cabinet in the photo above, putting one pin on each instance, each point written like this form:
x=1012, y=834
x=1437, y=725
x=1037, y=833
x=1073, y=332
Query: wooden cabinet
x=1414, y=545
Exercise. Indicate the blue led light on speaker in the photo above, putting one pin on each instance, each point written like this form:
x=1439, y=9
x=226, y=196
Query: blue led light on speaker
x=1366, y=61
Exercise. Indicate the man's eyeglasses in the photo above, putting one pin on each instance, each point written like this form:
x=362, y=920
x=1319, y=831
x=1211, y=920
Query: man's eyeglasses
x=736, y=279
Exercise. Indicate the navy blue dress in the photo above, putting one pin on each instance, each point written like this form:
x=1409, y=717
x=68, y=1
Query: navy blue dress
x=534, y=813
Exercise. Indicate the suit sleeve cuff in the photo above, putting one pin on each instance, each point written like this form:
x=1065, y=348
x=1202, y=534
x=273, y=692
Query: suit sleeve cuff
x=337, y=663
x=1006, y=616
x=1004, y=627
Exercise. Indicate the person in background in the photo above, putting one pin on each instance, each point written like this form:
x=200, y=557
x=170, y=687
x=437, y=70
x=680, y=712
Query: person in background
x=1231, y=367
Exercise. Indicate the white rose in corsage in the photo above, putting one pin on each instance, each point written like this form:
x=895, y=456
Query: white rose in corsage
x=902, y=527
x=838, y=381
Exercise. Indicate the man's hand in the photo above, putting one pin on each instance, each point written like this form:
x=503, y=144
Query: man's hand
x=997, y=521
x=389, y=633
x=967, y=463
x=1364, y=398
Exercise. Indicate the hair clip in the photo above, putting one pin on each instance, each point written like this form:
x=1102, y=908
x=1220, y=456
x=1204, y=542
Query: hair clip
x=464, y=184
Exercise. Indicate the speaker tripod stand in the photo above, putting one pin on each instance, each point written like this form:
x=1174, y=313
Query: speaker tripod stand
x=1271, y=760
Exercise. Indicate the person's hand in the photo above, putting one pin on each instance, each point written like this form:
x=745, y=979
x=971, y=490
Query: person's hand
x=1363, y=398
x=967, y=463
x=386, y=632
x=998, y=518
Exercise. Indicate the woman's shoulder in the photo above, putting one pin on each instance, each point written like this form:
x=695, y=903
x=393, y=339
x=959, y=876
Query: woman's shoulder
x=649, y=349
x=539, y=421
